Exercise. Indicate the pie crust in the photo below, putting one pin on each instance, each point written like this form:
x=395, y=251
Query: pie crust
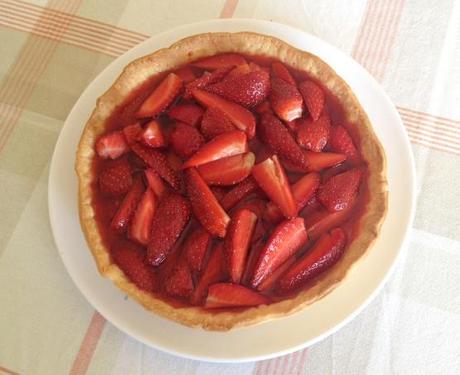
x=182, y=53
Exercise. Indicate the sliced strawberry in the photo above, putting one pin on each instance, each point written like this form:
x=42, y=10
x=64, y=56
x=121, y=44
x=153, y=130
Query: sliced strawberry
x=131, y=260
x=271, y=178
x=238, y=71
x=222, y=146
x=237, y=242
x=205, y=206
x=322, y=221
x=111, y=145
x=152, y=135
x=248, y=89
x=214, y=272
x=238, y=115
x=179, y=284
x=239, y=192
x=314, y=98
x=116, y=178
x=254, y=254
x=318, y=161
x=195, y=249
x=341, y=141
x=233, y=295
x=285, y=100
x=302, y=191
x=155, y=182
x=215, y=122
x=273, y=133
x=219, y=192
x=279, y=70
x=127, y=207
x=174, y=161
x=293, y=126
x=186, y=74
x=227, y=171
x=205, y=80
x=255, y=67
x=141, y=223
x=339, y=192
x=185, y=140
x=285, y=240
x=173, y=214
x=158, y=162
x=133, y=133
x=191, y=114
x=220, y=61
x=263, y=108
x=313, y=135
x=163, y=95
x=255, y=205
x=325, y=253
x=270, y=282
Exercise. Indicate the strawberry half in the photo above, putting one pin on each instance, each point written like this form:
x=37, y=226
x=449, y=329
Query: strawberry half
x=239, y=192
x=341, y=141
x=279, y=70
x=112, y=145
x=205, y=206
x=316, y=161
x=152, y=135
x=191, y=114
x=186, y=74
x=270, y=282
x=227, y=171
x=320, y=222
x=285, y=100
x=237, y=242
x=179, y=284
x=127, y=207
x=237, y=114
x=163, y=95
x=271, y=178
x=220, y=61
x=313, y=135
x=273, y=133
x=205, y=80
x=215, y=122
x=185, y=140
x=155, y=182
x=195, y=249
x=173, y=214
x=141, y=223
x=326, y=252
x=339, y=191
x=233, y=295
x=314, y=98
x=222, y=146
x=248, y=89
x=238, y=71
x=116, y=179
x=285, y=240
x=133, y=133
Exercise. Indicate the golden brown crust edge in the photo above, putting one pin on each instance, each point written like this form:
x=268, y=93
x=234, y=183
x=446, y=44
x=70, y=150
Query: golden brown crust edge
x=183, y=52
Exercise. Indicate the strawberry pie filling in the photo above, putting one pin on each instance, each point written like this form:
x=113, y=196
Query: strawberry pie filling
x=234, y=181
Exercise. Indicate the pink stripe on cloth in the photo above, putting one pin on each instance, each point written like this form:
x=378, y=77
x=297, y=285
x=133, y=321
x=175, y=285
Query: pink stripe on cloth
x=229, y=8
x=88, y=346
x=4, y=370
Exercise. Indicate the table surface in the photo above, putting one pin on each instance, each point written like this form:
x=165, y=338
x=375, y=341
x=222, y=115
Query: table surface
x=50, y=51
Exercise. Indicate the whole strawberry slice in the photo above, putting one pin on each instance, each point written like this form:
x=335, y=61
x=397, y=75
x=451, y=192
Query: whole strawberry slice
x=316, y=161
x=155, y=182
x=237, y=242
x=205, y=80
x=279, y=70
x=341, y=141
x=127, y=207
x=195, y=249
x=271, y=178
x=322, y=221
x=285, y=100
x=141, y=223
x=271, y=281
x=314, y=98
x=339, y=191
x=273, y=133
x=215, y=122
x=248, y=89
x=285, y=240
x=242, y=118
x=227, y=171
x=325, y=253
x=191, y=114
x=131, y=260
x=313, y=135
x=116, y=178
x=233, y=295
x=172, y=216
x=222, y=146
x=239, y=192
x=185, y=140
x=152, y=135
x=220, y=61
x=179, y=284
x=112, y=145
x=205, y=206
x=163, y=95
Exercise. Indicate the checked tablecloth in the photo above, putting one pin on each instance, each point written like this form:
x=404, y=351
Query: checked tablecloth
x=51, y=50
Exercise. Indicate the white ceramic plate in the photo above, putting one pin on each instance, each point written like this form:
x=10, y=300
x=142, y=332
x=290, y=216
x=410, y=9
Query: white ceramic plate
x=269, y=339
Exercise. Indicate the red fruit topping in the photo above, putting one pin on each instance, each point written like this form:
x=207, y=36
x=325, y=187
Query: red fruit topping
x=254, y=254
x=318, y=161
x=173, y=214
x=155, y=182
x=279, y=70
x=322, y=256
x=215, y=122
x=191, y=114
x=195, y=249
x=237, y=242
x=133, y=133
x=285, y=240
x=255, y=205
x=116, y=178
x=285, y=100
x=313, y=135
x=152, y=135
x=112, y=145
x=322, y=221
x=205, y=80
x=127, y=207
x=220, y=61
x=233, y=295
x=271, y=178
x=339, y=192
x=238, y=71
x=227, y=171
x=179, y=283
x=163, y=95
x=141, y=223
x=205, y=206
x=239, y=192
x=270, y=282
x=219, y=192
x=263, y=108
x=186, y=74
x=341, y=141
x=185, y=140
x=314, y=98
